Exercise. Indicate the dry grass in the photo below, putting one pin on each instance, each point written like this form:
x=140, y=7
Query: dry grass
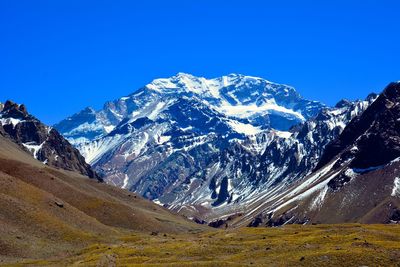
x=295, y=245
x=34, y=226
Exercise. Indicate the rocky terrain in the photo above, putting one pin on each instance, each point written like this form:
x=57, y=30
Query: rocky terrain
x=357, y=177
x=43, y=142
x=52, y=213
x=209, y=148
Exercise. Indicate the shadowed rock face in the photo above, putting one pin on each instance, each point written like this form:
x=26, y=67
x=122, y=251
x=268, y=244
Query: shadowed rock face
x=374, y=136
x=357, y=178
x=43, y=142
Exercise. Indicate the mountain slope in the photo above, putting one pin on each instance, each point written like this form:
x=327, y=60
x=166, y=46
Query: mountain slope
x=46, y=212
x=357, y=178
x=261, y=170
x=43, y=142
x=262, y=102
x=159, y=140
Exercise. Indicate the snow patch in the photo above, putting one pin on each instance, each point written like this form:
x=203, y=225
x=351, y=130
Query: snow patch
x=8, y=121
x=158, y=108
x=243, y=128
x=283, y=134
x=126, y=180
x=33, y=148
x=396, y=188
x=163, y=139
x=319, y=199
x=109, y=128
x=158, y=202
x=245, y=111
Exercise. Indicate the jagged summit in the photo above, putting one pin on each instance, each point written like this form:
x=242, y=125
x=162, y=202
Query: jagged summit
x=244, y=98
x=343, y=103
x=373, y=139
x=184, y=82
x=43, y=142
x=12, y=109
x=357, y=177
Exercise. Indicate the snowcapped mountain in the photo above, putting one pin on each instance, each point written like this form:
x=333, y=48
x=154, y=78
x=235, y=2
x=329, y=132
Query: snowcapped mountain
x=262, y=103
x=43, y=142
x=357, y=177
x=261, y=168
x=208, y=148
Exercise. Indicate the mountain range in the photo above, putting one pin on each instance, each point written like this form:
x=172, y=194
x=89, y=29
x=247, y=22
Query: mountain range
x=43, y=142
x=241, y=150
x=52, y=208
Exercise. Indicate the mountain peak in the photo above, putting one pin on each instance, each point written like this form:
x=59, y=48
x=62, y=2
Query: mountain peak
x=89, y=110
x=12, y=109
x=343, y=103
x=44, y=143
x=183, y=74
x=262, y=103
x=371, y=97
x=392, y=91
x=375, y=134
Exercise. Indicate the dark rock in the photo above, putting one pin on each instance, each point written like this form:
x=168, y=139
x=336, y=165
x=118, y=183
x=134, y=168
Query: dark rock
x=395, y=216
x=375, y=134
x=217, y=223
x=59, y=204
x=343, y=103
x=256, y=222
x=54, y=150
x=199, y=221
x=223, y=192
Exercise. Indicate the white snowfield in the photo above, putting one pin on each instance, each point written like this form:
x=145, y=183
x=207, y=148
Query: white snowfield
x=228, y=102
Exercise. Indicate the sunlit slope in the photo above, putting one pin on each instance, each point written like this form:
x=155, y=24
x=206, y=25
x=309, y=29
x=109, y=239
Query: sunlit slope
x=47, y=212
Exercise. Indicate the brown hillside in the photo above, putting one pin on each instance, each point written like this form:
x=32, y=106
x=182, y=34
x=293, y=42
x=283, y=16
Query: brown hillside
x=47, y=212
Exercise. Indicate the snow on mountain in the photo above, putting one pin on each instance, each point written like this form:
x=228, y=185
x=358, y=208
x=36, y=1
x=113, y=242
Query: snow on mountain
x=44, y=143
x=356, y=178
x=242, y=96
x=260, y=169
x=396, y=187
x=263, y=103
x=208, y=147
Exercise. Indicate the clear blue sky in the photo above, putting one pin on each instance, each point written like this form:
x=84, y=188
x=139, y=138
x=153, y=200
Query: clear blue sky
x=61, y=56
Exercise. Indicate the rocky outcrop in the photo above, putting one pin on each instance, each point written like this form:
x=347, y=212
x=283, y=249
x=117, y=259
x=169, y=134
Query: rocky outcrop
x=43, y=142
x=357, y=179
x=372, y=139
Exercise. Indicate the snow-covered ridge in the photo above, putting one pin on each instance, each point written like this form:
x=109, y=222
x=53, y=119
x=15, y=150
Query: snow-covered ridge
x=235, y=95
x=239, y=97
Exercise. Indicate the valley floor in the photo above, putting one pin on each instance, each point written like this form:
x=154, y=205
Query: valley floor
x=292, y=245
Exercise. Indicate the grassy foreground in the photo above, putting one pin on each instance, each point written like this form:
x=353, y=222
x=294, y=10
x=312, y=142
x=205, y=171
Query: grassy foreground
x=294, y=245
